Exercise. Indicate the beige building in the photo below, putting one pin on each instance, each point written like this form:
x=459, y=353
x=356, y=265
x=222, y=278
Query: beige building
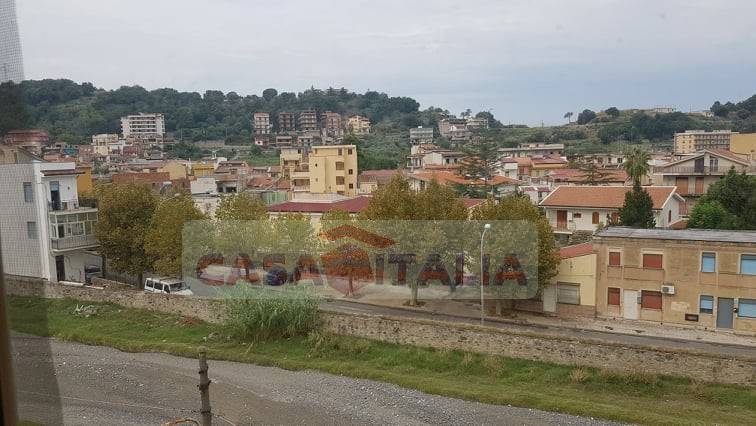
x=323, y=170
x=744, y=144
x=698, y=140
x=101, y=143
x=308, y=121
x=261, y=123
x=143, y=126
x=573, y=291
x=702, y=278
x=358, y=125
x=175, y=169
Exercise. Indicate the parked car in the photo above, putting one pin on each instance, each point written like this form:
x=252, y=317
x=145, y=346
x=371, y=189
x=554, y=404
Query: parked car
x=91, y=271
x=167, y=286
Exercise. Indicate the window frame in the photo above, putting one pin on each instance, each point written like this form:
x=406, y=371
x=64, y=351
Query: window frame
x=701, y=268
x=595, y=218
x=652, y=253
x=740, y=263
x=609, y=291
x=750, y=302
x=32, y=230
x=28, y=196
x=609, y=256
x=700, y=309
x=571, y=286
x=656, y=292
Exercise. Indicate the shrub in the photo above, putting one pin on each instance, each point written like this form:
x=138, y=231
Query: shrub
x=263, y=313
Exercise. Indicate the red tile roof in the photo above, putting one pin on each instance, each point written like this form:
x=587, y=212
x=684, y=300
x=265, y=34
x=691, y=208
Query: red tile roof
x=352, y=205
x=602, y=196
x=444, y=178
x=472, y=202
x=576, y=250
x=577, y=175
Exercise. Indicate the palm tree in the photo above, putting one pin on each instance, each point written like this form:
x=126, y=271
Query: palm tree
x=636, y=164
x=568, y=116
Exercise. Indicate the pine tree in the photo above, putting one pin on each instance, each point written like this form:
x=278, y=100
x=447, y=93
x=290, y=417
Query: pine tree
x=637, y=211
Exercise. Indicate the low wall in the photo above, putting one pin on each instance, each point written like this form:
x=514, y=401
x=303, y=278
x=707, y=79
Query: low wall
x=442, y=335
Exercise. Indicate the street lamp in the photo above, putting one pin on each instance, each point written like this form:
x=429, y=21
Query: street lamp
x=486, y=227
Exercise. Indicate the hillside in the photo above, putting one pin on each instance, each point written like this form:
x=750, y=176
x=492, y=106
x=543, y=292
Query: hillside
x=72, y=112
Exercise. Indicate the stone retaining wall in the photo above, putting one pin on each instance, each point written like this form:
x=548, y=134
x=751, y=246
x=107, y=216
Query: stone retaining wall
x=442, y=335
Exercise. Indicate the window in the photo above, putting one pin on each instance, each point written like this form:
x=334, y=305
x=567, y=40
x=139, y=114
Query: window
x=577, y=215
x=613, y=296
x=351, y=186
x=748, y=264
x=349, y=151
x=31, y=230
x=615, y=258
x=652, y=260
x=747, y=308
x=706, y=304
x=568, y=293
x=351, y=171
x=669, y=216
x=708, y=262
x=595, y=219
x=341, y=151
x=28, y=192
x=651, y=299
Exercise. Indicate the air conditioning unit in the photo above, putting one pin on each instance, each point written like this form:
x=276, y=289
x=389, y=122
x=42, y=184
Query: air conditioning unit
x=668, y=289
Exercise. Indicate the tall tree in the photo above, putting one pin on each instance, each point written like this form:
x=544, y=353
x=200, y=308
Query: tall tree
x=612, y=112
x=241, y=206
x=482, y=161
x=732, y=199
x=163, y=241
x=123, y=220
x=636, y=164
x=586, y=116
x=393, y=201
x=568, y=115
x=592, y=174
x=637, y=211
x=521, y=208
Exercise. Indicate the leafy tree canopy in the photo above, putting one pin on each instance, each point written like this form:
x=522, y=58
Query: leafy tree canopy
x=729, y=203
x=241, y=206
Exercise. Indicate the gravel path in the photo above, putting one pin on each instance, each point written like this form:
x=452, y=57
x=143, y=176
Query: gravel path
x=100, y=385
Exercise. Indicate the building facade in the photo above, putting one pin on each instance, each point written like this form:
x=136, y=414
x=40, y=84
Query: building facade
x=330, y=123
x=101, y=144
x=744, y=144
x=261, y=123
x=421, y=135
x=533, y=149
x=358, y=125
x=701, y=278
x=33, y=140
x=146, y=129
x=308, y=121
x=46, y=233
x=286, y=122
x=698, y=140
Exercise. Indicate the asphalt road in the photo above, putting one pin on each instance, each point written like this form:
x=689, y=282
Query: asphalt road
x=69, y=383
x=620, y=338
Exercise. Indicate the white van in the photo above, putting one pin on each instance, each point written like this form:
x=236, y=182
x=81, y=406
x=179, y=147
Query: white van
x=167, y=286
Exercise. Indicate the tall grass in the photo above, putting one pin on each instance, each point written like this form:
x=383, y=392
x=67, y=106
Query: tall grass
x=265, y=313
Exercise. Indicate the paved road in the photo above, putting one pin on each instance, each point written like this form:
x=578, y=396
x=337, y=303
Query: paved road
x=660, y=342
x=100, y=385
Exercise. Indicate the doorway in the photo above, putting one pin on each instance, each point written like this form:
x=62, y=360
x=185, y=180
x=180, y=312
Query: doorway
x=561, y=219
x=60, y=268
x=630, y=304
x=724, y=312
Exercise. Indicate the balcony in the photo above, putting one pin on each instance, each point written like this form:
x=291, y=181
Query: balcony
x=700, y=170
x=301, y=188
x=75, y=242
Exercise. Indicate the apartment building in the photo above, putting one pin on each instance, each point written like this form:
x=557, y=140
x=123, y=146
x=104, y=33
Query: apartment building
x=286, y=122
x=476, y=122
x=429, y=156
x=358, y=125
x=693, y=174
x=698, y=140
x=531, y=149
x=585, y=208
x=421, y=135
x=308, y=121
x=449, y=125
x=143, y=126
x=33, y=140
x=744, y=144
x=261, y=123
x=46, y=233
x=330, y=123
x=700, y=278
x=102, y=143
x=321, y=170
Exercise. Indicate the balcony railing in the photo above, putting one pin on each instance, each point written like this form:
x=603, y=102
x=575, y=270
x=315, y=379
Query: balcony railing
x=704, y=170
x=73, y=242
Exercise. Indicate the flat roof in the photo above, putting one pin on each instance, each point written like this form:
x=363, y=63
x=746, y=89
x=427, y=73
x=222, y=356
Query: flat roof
x=714, y=235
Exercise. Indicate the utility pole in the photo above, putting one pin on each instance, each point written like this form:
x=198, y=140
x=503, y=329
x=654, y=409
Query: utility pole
x=204, y=387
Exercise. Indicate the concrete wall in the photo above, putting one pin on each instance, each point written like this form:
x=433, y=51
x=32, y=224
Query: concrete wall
x=21, y=254
x=510, y=343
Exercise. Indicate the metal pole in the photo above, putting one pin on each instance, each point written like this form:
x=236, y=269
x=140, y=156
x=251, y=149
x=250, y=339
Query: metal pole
x=486, y=227
x=204, y=387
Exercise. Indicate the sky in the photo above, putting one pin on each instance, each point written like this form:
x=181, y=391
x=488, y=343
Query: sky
x=528, y=62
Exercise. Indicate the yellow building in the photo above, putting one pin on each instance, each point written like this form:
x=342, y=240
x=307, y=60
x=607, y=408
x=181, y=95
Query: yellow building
x=698, y=140
x=84, y=179
x=175, y=169
x=744, y=144
x=573, y=292
x=202, y=169
x=329, y=169
x=358, y=125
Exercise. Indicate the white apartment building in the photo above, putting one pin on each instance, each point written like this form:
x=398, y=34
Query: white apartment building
x=148, y=127
x=45, y=233
x=531, y=149
x=261, y=123
x=421, y=135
